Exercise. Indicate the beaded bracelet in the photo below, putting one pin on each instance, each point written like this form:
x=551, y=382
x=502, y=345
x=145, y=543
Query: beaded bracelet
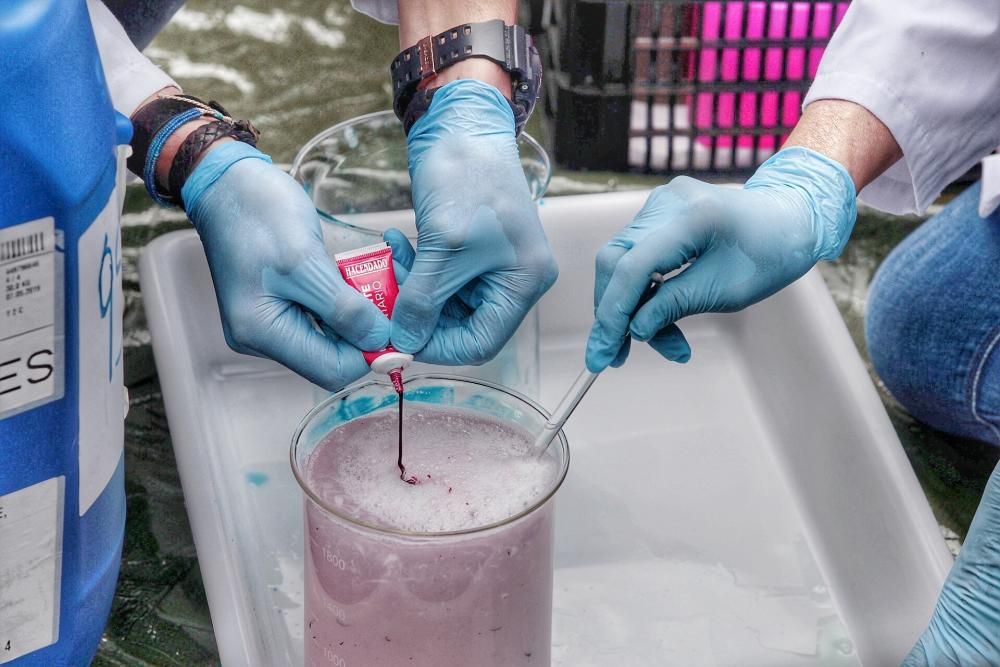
x=149, y=169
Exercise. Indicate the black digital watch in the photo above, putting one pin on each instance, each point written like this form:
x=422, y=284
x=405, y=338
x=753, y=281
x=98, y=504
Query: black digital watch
x=510, y=47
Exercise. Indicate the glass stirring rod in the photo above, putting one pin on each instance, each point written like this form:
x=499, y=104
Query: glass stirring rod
x=579, y=388
x=563, y=411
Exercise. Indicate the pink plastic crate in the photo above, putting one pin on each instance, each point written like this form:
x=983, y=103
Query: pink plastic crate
x=725, y=21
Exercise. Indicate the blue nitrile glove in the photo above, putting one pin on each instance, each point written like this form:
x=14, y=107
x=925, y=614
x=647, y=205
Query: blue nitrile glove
x=480, y=245
x=742, y=245
x=265, y=249
x=965, y=628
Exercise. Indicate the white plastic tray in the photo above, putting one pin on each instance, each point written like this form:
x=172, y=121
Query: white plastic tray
x=751, y=508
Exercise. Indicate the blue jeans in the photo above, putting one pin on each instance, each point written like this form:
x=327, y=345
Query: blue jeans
x=933, y=321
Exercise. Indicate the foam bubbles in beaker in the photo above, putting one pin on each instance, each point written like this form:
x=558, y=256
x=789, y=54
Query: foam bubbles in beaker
x=473, y=471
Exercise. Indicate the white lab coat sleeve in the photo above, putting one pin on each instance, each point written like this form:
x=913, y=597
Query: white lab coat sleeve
x=385, y=11
x=930, y=71
x=131, y=76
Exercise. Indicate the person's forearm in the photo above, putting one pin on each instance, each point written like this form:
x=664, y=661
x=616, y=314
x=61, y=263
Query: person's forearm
x=420, y=18
x=851, y=135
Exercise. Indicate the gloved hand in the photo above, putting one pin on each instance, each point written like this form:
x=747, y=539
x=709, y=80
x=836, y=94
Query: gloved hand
x=965, y=628
x=265, y=249
x=480, y=245
x=742, y=245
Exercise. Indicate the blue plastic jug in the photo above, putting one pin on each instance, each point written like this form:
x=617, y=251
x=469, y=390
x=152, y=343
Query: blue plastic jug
x=62, y=497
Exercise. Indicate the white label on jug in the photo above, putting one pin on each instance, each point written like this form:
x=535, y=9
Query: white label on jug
x=102, y=405
x=30, y=568
x=28, y=367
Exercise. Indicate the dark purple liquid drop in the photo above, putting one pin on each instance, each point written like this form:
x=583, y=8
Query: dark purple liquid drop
x=399, y=459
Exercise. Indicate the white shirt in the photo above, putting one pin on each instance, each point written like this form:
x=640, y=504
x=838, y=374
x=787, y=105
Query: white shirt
x=930, y=71
x=131, y=77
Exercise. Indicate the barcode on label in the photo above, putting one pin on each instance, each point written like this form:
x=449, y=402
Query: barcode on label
x=23, y=246
x=29, y=364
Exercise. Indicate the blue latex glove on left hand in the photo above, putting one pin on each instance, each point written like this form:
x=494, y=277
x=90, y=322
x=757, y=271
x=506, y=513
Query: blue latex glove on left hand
x=271, y=271
x=482, y=259
x=742, y=245
x=965, y=628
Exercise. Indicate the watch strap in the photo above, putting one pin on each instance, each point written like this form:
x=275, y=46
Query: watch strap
x=508, y=46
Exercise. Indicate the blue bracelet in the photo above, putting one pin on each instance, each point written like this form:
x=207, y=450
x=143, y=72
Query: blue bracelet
x=149, y=169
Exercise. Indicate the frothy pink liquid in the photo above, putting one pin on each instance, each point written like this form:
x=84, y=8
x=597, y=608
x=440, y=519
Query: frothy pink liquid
x=481, y=600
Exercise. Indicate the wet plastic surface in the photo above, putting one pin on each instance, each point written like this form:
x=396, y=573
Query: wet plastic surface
x=753, y=507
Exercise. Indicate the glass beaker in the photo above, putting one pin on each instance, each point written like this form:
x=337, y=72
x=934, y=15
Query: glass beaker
x=356, y=174
x=377, y=595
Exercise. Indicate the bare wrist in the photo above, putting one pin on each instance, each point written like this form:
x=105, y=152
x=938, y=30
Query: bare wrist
x=421, y=18
x=851, y=135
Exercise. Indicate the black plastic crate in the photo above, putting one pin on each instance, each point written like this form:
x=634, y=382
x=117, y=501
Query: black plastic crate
x=679, y=86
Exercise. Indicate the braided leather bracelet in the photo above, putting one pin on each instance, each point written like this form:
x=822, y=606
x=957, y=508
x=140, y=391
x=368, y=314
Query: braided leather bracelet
x=195, y=145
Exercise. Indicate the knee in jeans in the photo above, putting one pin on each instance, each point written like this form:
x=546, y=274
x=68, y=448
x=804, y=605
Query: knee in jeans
x=904, y=342
x=891, y=318
x=929, y=308
x=916, y=349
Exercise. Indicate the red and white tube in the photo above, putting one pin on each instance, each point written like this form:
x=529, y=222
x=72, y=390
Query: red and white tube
x=369, y=271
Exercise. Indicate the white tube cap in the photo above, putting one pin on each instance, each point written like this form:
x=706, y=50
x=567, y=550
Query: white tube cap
x=391, y=360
